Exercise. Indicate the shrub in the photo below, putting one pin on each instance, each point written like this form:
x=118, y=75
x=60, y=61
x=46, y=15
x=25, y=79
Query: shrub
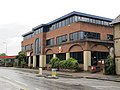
x=110, y=66
x=62, y=64
x=72, y=63
x=54, y=62
x=69, y=64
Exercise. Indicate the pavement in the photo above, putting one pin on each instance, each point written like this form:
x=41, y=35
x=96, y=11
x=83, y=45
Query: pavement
x=99, y=76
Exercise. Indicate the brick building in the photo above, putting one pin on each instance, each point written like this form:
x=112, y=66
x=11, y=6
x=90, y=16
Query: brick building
x=84, y=37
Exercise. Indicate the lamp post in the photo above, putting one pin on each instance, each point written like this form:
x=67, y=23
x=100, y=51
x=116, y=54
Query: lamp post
x=5, y=47
x=5, y=51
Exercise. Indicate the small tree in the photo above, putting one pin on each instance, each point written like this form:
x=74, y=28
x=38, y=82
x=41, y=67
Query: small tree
x=3, y=54
x=21, y=58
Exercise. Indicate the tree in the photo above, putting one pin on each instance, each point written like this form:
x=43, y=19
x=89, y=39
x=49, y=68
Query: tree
x=3, y=54
x=21, y=58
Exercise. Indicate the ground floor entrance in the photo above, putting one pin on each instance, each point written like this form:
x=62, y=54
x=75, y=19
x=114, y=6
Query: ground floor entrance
x=85, y=58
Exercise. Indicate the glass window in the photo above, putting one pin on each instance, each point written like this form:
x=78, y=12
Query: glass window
x=78, y=56
x=98, y=22
x=91, y=20
x=73, y=36
x=60, y=24
x=71, y=19
x=50, y=42
x=109, y=37
x=80, y=35
x=37, y=46
x=94, y=20
x=61, y=39
x=23, y=48
x=106, y=23
x=85, y=19
x=76, y=19
x=92, y=35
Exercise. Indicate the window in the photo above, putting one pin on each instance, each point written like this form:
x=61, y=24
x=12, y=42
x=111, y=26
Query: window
x=84, y=19
x=109, y=37
x=91, y=35
x=50, y=42
x=98, y=22
x=71, y=19
x=27, y=47
x=84, y=35
x=78, y=56
x=95, y=56
x=76, y=36
x=23, y=48
x=28, y=37
x=61, y=56
x=106, y=23
x=37, y=46
x=40, y=30
x=60, y=24
x=61, y=39
x=48, y=58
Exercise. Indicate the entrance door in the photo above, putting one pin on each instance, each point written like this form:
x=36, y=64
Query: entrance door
x=37, y=61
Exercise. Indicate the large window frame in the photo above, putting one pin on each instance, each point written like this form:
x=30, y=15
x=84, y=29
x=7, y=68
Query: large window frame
x=61, y=39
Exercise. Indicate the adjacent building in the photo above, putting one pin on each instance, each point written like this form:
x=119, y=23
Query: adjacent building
x=84, y=37
x=116, y=24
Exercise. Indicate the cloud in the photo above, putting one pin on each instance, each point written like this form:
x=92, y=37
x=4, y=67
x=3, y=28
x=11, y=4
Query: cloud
x=11, y=34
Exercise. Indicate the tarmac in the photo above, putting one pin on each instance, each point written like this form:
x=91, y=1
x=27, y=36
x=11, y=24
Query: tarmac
x=7, y=85
x=75, y=75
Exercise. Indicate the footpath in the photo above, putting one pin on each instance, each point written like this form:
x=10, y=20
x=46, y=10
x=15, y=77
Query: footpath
x=98, y=76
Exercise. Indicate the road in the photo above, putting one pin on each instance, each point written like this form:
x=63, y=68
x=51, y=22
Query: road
x=11, y=79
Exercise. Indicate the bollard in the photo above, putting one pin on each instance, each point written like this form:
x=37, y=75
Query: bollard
x=53, y=72
x=40, y=71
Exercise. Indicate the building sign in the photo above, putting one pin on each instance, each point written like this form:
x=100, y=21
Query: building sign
x=28, y=53
x=60, y=49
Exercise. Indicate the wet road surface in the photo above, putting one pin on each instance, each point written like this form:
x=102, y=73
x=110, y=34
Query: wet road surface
x=29, y=81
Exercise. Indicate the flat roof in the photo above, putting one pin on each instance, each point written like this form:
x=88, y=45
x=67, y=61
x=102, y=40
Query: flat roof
x=30, y=32
x=80, y=14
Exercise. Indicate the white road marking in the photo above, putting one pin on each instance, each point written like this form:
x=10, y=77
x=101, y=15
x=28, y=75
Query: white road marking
x=16, y=83
x=37, y=89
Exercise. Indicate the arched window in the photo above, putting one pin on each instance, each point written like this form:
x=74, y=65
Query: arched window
x=37, y=46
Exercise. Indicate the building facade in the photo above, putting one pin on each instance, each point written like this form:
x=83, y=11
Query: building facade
x=84, y=37
x=116, y=24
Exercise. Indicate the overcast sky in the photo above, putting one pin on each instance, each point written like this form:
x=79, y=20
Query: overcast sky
x=20, y=16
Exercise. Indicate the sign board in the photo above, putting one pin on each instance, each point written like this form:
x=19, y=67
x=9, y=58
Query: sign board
x=60, y=49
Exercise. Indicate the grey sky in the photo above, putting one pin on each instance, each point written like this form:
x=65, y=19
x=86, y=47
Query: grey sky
x=20, y=16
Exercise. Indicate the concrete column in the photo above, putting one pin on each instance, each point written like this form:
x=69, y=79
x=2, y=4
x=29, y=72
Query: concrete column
x=29, y=61
x=87, y=60
x=54, y=55
x=117, y=64
x=34, y=61
x=67, y=55
x=42, y=61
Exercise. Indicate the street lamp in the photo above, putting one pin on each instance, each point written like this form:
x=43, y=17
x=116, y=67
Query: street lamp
x=6, y=47
x=5, y=52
